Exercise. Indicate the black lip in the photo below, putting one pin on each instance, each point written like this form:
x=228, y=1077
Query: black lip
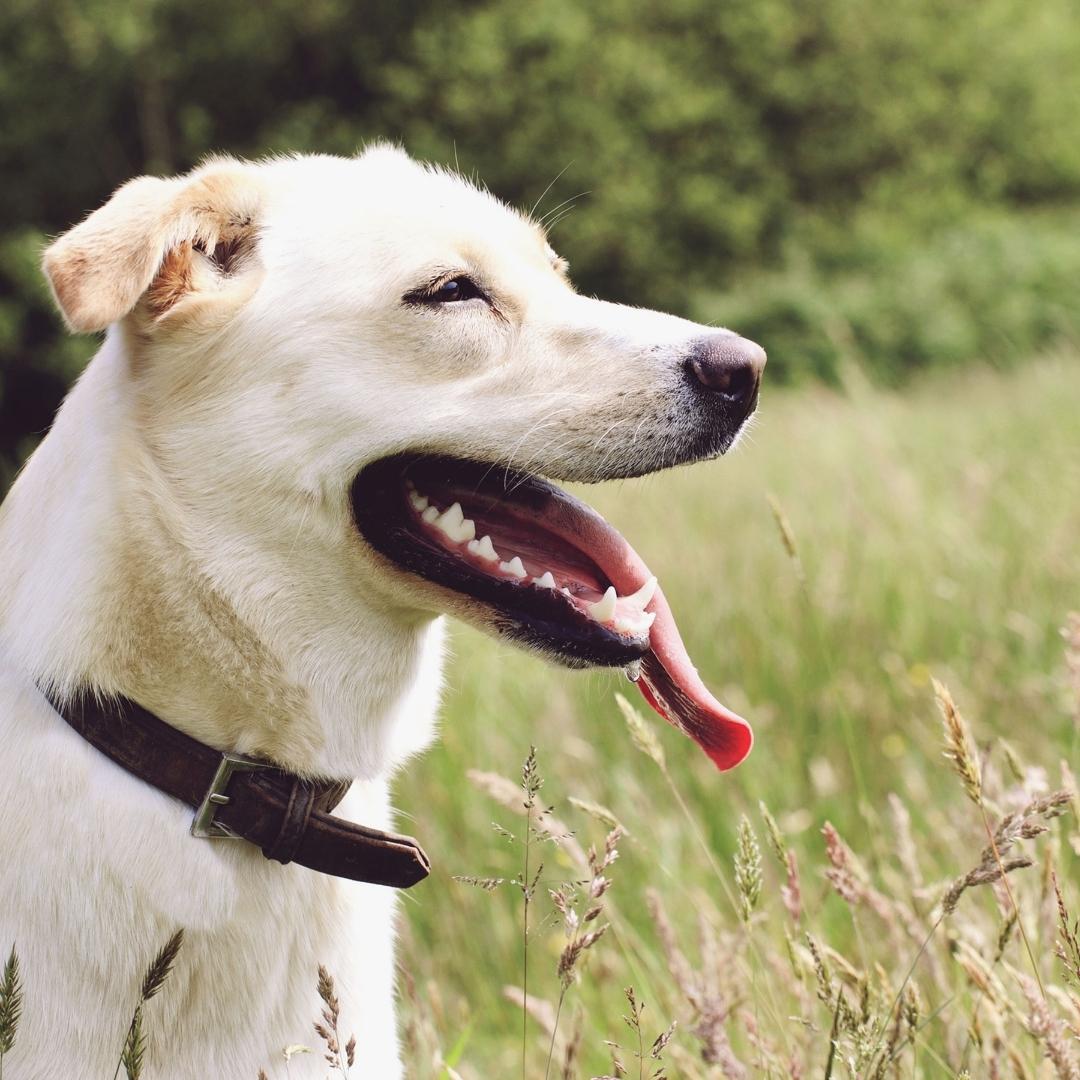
x=533, y=617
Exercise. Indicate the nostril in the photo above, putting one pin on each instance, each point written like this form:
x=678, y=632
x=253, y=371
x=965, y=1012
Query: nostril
x=728, y=366
x=733, y=382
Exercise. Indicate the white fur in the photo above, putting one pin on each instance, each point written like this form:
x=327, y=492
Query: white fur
x=183, y=537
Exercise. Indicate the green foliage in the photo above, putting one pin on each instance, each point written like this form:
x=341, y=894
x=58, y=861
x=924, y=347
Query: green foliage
x=994, y=287
x=839, y=178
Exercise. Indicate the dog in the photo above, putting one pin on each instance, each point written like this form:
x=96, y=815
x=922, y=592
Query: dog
x=330, y=406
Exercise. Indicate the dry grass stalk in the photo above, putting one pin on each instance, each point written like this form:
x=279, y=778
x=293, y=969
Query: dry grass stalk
x=1050, y=1031
x=508, y=794
x=579, y=939
x=777, y=844
x=906, y=851
x=327, y=1028
x=702, y=989
x=601, y=813
x=959, y=745
x=134, y=1048
x=540, y=1009
x=641, y=733
x=572, y=1049
x=655, y=1052
x=488, y=884
x=787, y=535
x=11, y=1000
x=1067, y=946
x=1024, y=824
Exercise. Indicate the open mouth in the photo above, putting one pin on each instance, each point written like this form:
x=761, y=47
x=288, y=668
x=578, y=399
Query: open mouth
x=545, y=570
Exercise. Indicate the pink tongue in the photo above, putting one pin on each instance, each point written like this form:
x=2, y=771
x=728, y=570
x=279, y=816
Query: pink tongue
x=670, y=683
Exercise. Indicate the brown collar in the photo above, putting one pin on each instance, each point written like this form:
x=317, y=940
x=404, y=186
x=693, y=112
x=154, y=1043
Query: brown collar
x=240, y=798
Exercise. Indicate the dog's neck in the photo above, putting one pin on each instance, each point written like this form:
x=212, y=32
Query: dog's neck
x=102, y=590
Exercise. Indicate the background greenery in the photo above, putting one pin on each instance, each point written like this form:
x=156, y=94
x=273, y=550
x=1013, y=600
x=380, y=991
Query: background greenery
x=867, y=189
x=899, y=179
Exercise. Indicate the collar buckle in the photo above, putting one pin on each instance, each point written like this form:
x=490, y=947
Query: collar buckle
x=203, y=824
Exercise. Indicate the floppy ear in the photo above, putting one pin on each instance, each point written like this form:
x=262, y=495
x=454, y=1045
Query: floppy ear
x=171, y=240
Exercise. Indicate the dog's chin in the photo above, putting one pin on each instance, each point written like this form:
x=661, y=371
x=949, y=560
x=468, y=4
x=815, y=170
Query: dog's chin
x=509, y=552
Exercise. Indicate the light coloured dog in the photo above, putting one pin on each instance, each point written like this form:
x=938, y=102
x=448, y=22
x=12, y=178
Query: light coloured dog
x=326, y=395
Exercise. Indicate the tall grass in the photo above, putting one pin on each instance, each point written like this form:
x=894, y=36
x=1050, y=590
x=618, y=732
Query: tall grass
x=928, y=534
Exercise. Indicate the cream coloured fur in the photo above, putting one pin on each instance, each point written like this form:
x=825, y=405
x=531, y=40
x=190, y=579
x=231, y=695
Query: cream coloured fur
x=183, y=537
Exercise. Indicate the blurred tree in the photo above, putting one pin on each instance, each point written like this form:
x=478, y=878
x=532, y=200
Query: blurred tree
x=750, y=159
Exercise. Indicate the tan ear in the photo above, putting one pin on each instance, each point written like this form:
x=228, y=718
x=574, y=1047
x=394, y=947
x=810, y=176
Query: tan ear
x=164, y=238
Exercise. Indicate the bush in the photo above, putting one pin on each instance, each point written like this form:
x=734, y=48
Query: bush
x=995, y=288
x=699, y=144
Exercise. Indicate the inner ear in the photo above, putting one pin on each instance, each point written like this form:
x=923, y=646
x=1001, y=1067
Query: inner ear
x=208, y=268
x=228, y=254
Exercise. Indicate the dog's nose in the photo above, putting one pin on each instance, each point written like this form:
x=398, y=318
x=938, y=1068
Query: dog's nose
x=727, y=365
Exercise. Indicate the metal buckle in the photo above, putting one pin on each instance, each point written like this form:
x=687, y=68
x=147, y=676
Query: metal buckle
x=203, y=824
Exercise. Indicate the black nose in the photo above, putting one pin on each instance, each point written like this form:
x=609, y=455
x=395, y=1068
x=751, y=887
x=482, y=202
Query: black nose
x=729, y=366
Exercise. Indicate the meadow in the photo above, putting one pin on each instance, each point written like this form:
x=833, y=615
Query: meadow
x=859, y=544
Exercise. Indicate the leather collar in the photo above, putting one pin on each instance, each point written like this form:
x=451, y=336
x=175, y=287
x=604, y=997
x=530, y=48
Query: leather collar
x=241, y=798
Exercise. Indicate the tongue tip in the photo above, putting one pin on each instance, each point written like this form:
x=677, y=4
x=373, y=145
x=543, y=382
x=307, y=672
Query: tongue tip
x=734, y=744
x=725, y=737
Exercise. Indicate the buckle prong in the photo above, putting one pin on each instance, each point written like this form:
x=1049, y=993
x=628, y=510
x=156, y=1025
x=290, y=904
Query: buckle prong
x=203, y=824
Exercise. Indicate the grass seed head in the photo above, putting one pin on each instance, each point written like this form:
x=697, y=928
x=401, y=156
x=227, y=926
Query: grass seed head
x=641, y=732
x=161, y=966
x=11, y=1000
x=959, y=745
x=747, y=870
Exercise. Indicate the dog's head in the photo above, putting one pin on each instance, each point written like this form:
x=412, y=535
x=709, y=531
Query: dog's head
x=383, y=365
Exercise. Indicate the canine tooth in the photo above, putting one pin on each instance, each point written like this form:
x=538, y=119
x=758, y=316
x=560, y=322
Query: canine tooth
x=430, y=515
x=642, y=597
x=545, y=580
x=483, y=549
x=513, y=567
x=647, y=620
x=633, y=670
x=604, y=608
x=419, y=502
x=450, y=519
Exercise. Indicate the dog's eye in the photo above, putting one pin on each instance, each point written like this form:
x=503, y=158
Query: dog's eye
x=451, y=290
x=454, y=290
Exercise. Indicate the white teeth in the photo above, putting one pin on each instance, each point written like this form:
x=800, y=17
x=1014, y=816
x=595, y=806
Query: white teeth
x=604, y=609
x=566, y=592
x=419, y=502
x=430, y=515
x=642, y=597
x=454, y=524
x=513, y=567
x=451, y=518
x=483, y=549
x=635, y=626
x=545, y=581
